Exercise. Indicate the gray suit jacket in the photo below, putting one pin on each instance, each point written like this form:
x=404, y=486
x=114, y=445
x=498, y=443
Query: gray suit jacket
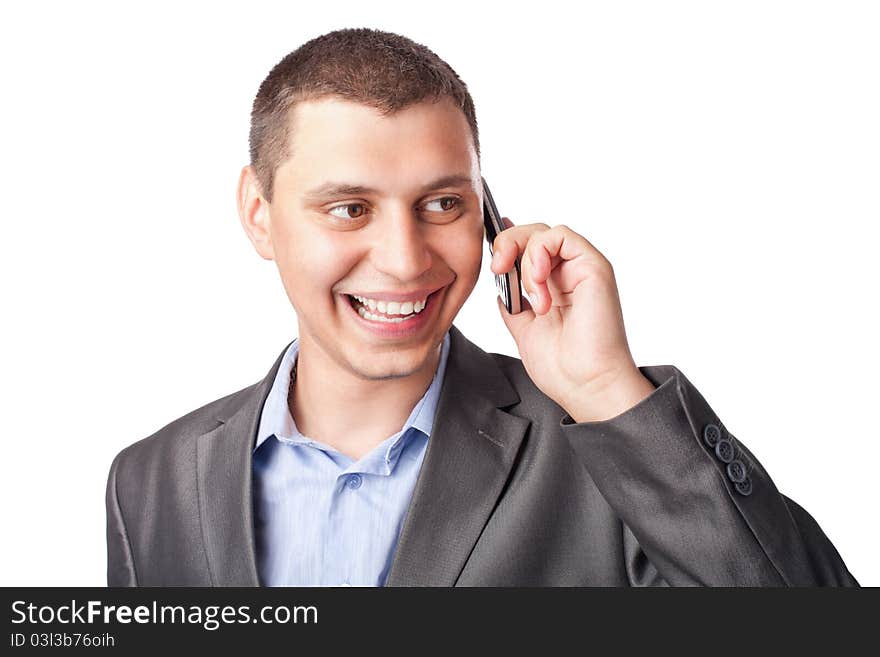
x=512, y=492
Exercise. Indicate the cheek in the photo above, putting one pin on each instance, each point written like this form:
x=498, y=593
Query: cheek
x=311, y=262
x=464, y=255
x=475, y=259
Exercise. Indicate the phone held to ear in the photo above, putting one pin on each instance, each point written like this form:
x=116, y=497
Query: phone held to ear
x=508, y=283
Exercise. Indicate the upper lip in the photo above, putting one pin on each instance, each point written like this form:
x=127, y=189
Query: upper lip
x=414, y=295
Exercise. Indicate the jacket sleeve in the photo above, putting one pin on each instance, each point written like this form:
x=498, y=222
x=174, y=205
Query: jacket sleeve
x=697, y=507
x=120, y=562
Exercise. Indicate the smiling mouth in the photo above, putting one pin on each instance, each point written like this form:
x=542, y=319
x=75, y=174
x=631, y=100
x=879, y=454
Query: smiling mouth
x=389, y=312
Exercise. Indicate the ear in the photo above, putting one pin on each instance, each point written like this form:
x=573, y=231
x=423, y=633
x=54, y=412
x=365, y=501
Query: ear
x=253, y=210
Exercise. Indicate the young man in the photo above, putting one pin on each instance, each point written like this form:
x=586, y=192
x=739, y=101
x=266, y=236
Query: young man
x=383, y=447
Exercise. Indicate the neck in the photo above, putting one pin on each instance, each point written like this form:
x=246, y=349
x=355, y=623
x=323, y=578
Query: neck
x=336, y=406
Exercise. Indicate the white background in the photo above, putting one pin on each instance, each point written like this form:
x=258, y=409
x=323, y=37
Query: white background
x=725, y=157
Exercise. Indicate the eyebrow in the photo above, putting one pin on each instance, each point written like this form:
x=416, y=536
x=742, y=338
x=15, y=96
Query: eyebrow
x=332, y=189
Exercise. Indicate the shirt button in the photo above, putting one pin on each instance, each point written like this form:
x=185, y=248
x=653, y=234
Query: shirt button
x=355, y=481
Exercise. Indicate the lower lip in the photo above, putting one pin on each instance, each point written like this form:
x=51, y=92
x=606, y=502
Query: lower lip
x=402, y=329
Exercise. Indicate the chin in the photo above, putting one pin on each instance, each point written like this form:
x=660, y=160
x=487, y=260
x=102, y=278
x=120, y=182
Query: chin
x=385, y=373
x=391, y=365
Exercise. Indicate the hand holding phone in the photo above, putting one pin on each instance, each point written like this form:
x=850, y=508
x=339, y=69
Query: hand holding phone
x=508, y=283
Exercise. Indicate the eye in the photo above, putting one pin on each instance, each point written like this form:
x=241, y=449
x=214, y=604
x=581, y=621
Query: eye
x=346, y=211
x=447, y=203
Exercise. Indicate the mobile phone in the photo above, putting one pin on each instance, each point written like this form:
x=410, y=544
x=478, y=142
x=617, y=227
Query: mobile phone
x=508, y=283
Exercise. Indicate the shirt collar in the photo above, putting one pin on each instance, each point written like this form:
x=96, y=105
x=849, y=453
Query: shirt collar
x=276, y=420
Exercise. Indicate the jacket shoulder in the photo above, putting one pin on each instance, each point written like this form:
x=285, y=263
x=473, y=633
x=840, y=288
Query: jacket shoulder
x=168, y=441
x=533, y=403
x=515, y=372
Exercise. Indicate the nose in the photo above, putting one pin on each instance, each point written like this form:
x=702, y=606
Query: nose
x=402, y=251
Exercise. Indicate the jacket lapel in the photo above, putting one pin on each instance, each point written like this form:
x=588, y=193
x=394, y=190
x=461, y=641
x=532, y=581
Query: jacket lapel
x=469, y=457
x=224, y=464
x=470, y=453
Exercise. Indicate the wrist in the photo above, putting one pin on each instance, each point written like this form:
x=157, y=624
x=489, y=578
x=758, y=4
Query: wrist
x=607, y=399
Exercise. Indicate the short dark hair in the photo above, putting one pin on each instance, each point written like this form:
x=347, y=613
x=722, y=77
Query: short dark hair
x=379, y=69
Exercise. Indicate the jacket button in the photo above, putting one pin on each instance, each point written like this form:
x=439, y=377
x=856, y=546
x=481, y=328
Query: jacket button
x=744, y=487
x=736, y=470
x=724, y=450
x=711, y=434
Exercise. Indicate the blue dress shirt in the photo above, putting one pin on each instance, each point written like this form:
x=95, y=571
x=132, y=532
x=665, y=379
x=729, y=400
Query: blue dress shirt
x=321, y=518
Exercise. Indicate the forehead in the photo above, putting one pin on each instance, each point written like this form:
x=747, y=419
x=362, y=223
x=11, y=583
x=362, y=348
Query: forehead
x=335, y=138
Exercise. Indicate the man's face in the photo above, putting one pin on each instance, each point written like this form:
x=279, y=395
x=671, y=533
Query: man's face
x=404, y=236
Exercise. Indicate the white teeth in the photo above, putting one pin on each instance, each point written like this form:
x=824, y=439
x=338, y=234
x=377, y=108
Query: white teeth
x=390, y=307
x=377, y=318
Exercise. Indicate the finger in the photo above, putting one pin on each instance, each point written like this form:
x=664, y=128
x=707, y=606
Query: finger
x=560, y=243
x=532, y=287
x=535, y=284
x=537, y=265
x=546, y=250
x=510, y=244
x=518, y=322
x=594, y=255
x=507, y=224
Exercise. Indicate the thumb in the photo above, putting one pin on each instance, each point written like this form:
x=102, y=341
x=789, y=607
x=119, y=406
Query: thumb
x=518, y=322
